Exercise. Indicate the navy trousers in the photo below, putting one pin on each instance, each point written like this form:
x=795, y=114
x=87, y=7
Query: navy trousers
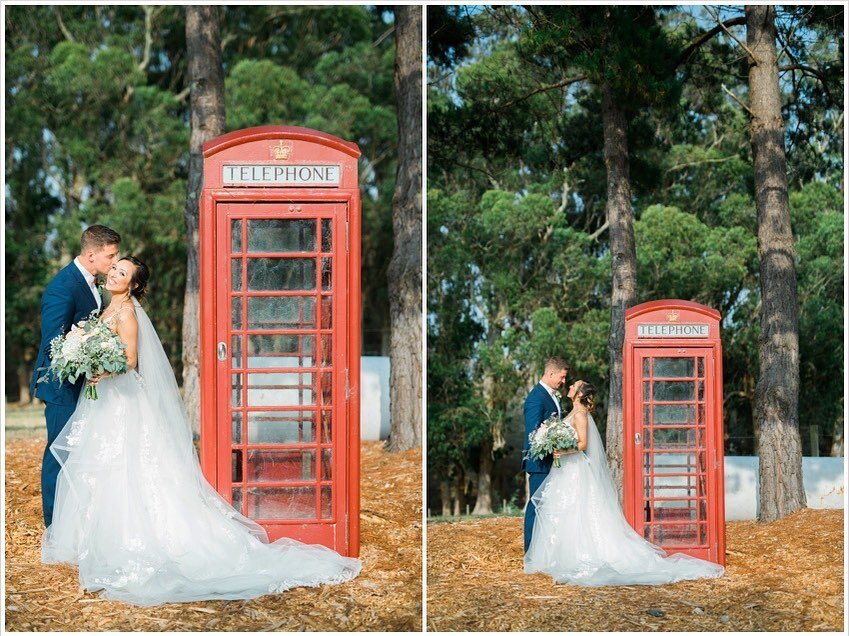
x=535, y=480
x=57, y=415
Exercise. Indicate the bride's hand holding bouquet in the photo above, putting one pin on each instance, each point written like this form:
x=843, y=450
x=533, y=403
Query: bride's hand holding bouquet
x=556, y=437
x=92, y=349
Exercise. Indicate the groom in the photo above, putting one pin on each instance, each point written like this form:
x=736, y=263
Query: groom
x=70, y=297
x=541, y=403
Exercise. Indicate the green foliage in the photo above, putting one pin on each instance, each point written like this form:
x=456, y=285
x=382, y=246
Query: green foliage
x=678, y=256
x=449, y=33
x=820, y=271
x=259, y=92
x=96, y=136
x=517, y=270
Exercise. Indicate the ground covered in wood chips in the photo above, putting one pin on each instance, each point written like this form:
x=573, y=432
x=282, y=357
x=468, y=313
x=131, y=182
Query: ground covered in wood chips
x=385, y=597
x=782, y=576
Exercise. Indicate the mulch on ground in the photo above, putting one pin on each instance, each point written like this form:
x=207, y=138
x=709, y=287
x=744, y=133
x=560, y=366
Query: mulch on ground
x=385, y=597
x=781, y=576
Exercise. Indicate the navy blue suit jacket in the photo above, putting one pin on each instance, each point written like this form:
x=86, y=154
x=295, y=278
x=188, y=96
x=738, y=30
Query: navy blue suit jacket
x=539, y=406
x=66, y=301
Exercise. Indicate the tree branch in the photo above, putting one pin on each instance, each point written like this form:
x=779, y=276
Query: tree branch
x=715, y=16
x=564, y=198
x=183, y=94
x=492, y=180
x=148, y=36
x=690, y=164
x=434, y=82
x=383, y=36
x=543, y=89
x=62, y=27
x=599, y=231
x=705, y=37
x=785, y=42
x=809, y=70
x=736, y=99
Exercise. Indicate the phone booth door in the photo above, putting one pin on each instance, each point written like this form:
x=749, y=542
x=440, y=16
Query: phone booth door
x=673, y=491
x=676, y=453
x=286, y=371
x=279, y=295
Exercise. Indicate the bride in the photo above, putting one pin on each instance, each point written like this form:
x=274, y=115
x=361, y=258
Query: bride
x=580, y=535
x=133, y=509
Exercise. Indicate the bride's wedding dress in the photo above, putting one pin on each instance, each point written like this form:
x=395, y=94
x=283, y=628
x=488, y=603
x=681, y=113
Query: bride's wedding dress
x=581, y=536
x=135, y=513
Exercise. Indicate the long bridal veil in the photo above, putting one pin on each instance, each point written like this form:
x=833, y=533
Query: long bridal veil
x=160, y=386
x=580, y=535
x=135, y=513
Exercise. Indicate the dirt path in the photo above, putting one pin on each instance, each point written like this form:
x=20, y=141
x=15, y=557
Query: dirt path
x=386, y=596
x=782, y=576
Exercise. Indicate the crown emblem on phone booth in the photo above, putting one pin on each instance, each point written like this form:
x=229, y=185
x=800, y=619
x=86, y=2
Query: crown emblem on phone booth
x=672, y=316
x=281, y=151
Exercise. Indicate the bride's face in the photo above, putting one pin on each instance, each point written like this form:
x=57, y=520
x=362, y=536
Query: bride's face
x=573, y=390
x=119, y=277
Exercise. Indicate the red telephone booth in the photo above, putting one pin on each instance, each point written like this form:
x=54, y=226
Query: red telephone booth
x=280, y=329
x=673, y=491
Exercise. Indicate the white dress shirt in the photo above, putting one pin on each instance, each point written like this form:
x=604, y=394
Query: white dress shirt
x=89, y=278
x=553, y=397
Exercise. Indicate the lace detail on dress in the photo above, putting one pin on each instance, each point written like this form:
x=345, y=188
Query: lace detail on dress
x=138, y=378
x=76, y=431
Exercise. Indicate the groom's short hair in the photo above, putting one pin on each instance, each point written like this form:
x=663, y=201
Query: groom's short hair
x=555, y=363
x=96, y=237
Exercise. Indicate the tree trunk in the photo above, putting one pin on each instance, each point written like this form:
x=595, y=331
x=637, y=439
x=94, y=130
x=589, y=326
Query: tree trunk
x=837, y=440
x=405, y=269
x=777, y=391
x=623, y=265
x=445, y=497
x=483, y=502
x=456, y=488
x=12, y=391
x=206, y=81
x=24, y=373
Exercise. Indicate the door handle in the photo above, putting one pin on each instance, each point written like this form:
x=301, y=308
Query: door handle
x=636, y=439
x=222, y=351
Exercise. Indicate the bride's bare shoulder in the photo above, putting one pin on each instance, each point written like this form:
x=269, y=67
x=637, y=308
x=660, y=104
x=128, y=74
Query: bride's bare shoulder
x=126, y=317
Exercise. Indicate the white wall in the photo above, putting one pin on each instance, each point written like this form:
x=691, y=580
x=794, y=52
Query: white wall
x=374, y=397
x=821, y=476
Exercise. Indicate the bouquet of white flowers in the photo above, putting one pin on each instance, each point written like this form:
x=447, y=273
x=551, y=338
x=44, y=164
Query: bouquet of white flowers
x=552, y=435
x=90, y=348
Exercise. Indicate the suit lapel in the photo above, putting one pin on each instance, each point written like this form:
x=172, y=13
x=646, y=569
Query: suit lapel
x=78, y=276
x=548, y=399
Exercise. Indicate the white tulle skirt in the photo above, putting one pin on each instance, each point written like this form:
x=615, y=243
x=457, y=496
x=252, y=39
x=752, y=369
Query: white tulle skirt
x=581, y=537
x=135, y=514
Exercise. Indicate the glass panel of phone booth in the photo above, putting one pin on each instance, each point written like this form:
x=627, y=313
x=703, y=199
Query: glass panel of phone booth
x=674, y=448
x=281, y=281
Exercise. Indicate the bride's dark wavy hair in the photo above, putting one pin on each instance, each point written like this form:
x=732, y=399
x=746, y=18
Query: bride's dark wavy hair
x=138, y=281
x=586, y=395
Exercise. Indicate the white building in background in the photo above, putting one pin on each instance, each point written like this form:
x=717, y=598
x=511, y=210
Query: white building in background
x=822, y=477
x=374, y=397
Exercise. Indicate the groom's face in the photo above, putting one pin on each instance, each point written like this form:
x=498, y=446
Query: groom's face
x=560, y=378
x=103, y=259
x=555, y=377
